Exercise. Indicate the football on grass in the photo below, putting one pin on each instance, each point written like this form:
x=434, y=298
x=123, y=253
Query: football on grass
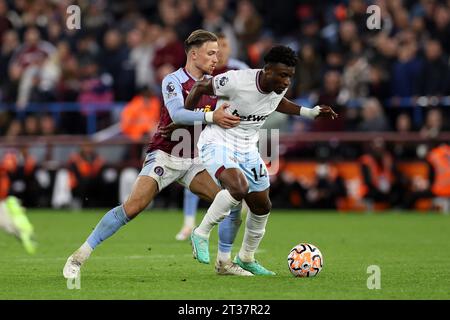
x=305, y=260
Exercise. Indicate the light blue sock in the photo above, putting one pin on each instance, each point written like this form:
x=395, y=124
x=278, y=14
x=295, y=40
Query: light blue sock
x=190, y=203
x=228, y=230
x=110, y=223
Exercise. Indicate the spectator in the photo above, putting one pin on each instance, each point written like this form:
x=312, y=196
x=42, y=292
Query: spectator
x=10, y=42
x=85, y=169
x=26, y=63
x=434, y=78
x=403, y=126
x=140, y=116
x=14, y=129
x=440, y=28
x=21, y=166
x=285, y=190
x=115, y=61
x=326, y=190
x=378, y=83
x=68, y=86
x=348, y=32
x=225, y=62
x=356, y=77
x=215, y=22
x=247, y=24
x=31, y=126
x=307, y=74
x=331, y=95
x=169, y=54
x=95, y=92
x=406, y=71
x=438, y=184
x=189, y=18
x=373, y=118
x=433, y=124
x=5, y=22
x=48, y=125
x=380, y=177
x=142, y=50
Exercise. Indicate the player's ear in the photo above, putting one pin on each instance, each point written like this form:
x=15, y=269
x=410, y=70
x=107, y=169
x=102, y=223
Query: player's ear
x=268, y=70
x=193, y=53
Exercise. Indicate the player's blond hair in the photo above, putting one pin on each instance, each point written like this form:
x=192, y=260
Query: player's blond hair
x=197, y=38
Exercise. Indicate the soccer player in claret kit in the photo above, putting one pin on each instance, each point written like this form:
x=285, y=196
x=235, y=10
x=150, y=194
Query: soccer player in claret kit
x=231, y=155
x=190, y=203
x=161, y=167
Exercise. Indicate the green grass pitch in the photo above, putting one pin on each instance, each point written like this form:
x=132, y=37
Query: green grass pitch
x=143, y=260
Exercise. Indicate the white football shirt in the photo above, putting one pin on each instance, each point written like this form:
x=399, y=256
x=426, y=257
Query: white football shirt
x=240, y=89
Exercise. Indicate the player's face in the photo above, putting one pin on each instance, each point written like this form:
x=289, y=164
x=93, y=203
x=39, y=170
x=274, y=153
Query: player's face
x=279, y=76
x=206, y=57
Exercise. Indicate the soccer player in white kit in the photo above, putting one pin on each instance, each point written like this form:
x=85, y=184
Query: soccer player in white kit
x=231, y=156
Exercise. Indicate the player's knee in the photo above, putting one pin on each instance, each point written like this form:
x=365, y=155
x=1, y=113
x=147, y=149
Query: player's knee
x=133, y=208
x=239, y=190
x=262, y=209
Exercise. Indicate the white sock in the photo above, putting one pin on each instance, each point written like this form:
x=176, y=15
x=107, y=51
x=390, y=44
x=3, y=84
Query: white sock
x=223, y=256
x=83, y=253
x=255, y=227
x=217, y=211
x=189, y=221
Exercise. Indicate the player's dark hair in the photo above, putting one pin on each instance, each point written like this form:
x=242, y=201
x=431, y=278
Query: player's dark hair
x=197, y=38
x=281, y=54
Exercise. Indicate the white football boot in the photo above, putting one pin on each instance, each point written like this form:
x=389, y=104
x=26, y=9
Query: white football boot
x=75, y=261
x=71, y=268
x=184, y=233
x=230, y=268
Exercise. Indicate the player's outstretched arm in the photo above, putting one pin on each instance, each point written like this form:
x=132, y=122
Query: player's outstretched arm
x=288, y=107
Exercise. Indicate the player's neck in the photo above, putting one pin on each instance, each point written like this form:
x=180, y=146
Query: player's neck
x=194, y=72
x=262, y=85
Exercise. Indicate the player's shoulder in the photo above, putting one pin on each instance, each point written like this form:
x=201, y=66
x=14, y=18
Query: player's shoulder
x=176, y=77
x=239, y=75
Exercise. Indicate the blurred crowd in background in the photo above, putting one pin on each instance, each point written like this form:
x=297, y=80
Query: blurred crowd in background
x=396, y=78
x=125, y=46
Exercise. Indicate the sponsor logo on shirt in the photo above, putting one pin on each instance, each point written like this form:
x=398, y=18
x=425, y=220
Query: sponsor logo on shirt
x=206, y=108
x=250, y=117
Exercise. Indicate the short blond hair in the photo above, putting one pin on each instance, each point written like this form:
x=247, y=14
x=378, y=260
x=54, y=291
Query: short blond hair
x=197, y=38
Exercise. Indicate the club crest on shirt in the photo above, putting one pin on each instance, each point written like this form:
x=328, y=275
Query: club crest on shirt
x=170, y=88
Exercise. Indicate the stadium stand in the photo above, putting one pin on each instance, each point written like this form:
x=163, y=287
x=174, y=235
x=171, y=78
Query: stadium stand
x=60, y=88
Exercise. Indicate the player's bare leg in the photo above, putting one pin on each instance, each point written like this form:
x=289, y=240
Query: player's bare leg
x=207, y=189
x=144, y=191
x=258, y=213
x=236, y=187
